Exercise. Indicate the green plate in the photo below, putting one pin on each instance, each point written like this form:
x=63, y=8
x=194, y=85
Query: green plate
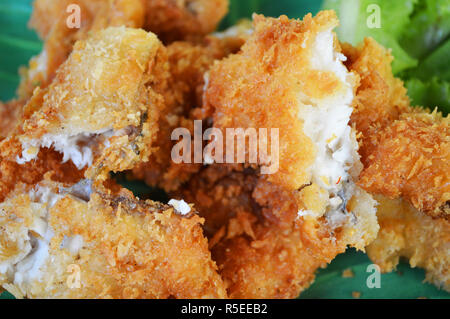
x=18, y=44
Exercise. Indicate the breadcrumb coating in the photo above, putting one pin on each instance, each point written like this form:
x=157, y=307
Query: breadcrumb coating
x=405, y=152
x=263, y=249
x=10, y=113
x=380, y=97
x=408, y=233
x=412, y=161
x=120, y=247
x=50, y=20
x=102, y=108
x=270, y=81
x=171, y=20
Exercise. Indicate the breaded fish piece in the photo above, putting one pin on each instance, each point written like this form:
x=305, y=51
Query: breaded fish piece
x=62, y=241
x=53, y=21
x=277, y=229
x=380, y=97
x=405, y=152
x=170, y=20
x=406, y=232
x=412, y=161
x=102, y=109
x=289, y=76
x=263, y=249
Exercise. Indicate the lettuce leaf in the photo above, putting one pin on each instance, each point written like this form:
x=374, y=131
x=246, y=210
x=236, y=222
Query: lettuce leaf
x=417, y=32
x=433, y=93
x=356, y=17
x=429, y=28
x=434, y=65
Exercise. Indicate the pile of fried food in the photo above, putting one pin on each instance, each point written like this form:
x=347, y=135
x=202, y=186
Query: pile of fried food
x=358, y=165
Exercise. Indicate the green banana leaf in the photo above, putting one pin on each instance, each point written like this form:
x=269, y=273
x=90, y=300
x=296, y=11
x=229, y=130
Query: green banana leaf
x=18, y=44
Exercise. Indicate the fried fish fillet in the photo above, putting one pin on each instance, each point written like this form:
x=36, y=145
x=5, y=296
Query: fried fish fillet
x=270, y=233
x=406, y=232
x=412, y=161
x=263, y=249
x=289, y=76
x=62, y=241
x=102, y=109
x=53, y=21
x=406, y=153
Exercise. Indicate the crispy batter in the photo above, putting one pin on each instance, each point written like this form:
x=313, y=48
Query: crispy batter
x=407, y=232
x=267, y=83
x=263, y=250
x=380, y=97
x=412, y=161
x=405, y=151
x=118, y=246
x=50, y=18
x=102, y=108
x=170, y=20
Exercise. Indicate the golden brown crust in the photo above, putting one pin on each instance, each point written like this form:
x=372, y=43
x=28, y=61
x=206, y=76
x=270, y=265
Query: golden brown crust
x=49, y=18
x=262, y=85
x=171, y=20
x=405, y=150
x=262, y=248
x=412, y=161
x=406, y=156
x=406, y=232
x=380, y=97
x=130, y=249
x=109, y=85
